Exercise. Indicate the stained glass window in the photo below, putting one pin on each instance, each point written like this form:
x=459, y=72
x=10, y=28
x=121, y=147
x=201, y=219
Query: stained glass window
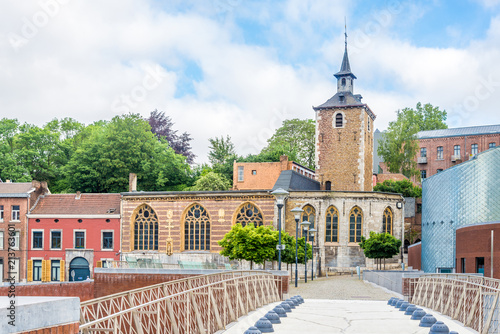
x=146, y=229
x=249, y=214
x=355, y=224
x=387, y=221
x=332, y=225
x=309, y=215
x=196, y=228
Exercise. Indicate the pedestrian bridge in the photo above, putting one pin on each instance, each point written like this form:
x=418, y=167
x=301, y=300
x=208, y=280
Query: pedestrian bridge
x=199, y=304
x=208, y=303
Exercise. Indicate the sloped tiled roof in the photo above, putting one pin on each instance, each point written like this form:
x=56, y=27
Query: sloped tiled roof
x=455, y=132
x=88, y=204
x=15, y=188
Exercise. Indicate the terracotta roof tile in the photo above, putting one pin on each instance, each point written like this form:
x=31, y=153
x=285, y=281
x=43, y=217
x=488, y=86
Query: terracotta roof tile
x=88, y=204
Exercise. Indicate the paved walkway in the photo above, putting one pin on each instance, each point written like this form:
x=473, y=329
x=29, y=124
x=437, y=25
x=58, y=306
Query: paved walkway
x=340, y=287
x=342, y=304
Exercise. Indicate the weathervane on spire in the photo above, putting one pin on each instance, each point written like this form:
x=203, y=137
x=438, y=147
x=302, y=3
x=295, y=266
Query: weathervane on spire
x=345, y=31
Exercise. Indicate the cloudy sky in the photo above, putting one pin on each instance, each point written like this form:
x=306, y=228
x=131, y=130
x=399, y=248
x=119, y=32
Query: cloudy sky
x=240, y=67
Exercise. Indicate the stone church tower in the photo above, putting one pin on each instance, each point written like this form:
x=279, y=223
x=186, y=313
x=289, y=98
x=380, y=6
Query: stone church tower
x=344, y=137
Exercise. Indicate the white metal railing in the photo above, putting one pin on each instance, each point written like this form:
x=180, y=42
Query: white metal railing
x=472, y=300
x=200, y=304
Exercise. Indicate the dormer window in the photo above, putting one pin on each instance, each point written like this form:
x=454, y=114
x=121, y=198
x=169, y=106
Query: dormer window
x=342, y=98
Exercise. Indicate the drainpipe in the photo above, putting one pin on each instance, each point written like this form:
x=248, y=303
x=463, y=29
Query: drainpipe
x=491, y=260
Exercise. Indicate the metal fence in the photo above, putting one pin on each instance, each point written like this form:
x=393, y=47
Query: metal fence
x=472, y=300
x=200, y=304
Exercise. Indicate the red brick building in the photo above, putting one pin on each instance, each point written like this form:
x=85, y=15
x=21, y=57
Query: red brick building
x=263, y=175
x=474, y=246
x=16, y=199
x=70, y=234
x=445, y=148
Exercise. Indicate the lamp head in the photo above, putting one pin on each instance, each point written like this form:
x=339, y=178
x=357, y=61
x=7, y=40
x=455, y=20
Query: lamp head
x=305, y=224
x=297, y=212
x=312, y=230
x=280, y=195
x=399, y=205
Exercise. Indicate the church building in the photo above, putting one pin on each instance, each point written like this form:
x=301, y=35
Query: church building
x=337, y=198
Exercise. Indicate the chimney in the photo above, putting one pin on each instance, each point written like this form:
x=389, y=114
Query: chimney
x=284, y=162
x=132, y=182
x=78, y=195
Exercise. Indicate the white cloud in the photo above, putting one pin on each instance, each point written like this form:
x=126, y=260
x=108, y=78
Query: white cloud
x=91, y=54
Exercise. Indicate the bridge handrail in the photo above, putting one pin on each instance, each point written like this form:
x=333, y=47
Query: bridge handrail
x=471, y=299
x=153, y=306
x=90, y=308
x=123, y=293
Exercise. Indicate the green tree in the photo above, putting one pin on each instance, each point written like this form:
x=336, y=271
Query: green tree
x=288, y=254
x=294, y=138
x=222, y=155
x=110, y=151
x=404, y=187
x=398, y=146
x=250, y=243
x=211, y=181
x=380, y=246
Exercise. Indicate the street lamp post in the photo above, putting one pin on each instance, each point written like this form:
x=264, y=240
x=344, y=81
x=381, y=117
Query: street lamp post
x=305, y=225
x=280, y=195
x=312, y=232
x=297, y=212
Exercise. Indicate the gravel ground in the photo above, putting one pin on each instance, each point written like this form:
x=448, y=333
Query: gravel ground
x=340, y=287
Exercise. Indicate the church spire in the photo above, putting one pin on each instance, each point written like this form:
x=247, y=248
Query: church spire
x=345, y=76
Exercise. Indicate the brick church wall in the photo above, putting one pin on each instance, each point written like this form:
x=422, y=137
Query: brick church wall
x=221, y=207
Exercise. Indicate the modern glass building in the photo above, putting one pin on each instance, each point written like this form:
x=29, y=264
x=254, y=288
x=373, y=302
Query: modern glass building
x=468, y=193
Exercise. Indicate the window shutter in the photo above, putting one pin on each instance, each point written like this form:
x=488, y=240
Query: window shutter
x=99, y=264
x=62, y=271
x=48, y=268
x=43, y=271
x=30, y=270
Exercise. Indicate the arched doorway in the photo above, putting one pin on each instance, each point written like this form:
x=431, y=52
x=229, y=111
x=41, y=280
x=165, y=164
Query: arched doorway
x=79, y=269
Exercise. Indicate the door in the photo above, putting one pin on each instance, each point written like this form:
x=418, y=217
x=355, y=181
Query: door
x=79, y=269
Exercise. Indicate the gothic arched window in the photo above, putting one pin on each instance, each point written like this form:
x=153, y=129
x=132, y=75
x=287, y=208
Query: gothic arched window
x=196, y=228
x=146, y=229
x=249, y=214
x=332, y=225
x=339, y=120
x=309, y=215
x=343, y=81
x=355, y=224
x=387, y=221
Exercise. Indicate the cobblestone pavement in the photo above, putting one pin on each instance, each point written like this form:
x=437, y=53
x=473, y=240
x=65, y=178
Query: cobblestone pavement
x=340, y=287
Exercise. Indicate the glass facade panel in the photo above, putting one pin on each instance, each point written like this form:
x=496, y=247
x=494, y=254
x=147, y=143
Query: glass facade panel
x=468, y=193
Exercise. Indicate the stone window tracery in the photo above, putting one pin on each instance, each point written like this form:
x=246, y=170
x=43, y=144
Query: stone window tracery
x=387, y=221
x=355, y=224
x=249, y=214
x=332, y=225
x=146, y=229
x=196, y=228
x=309, y=215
